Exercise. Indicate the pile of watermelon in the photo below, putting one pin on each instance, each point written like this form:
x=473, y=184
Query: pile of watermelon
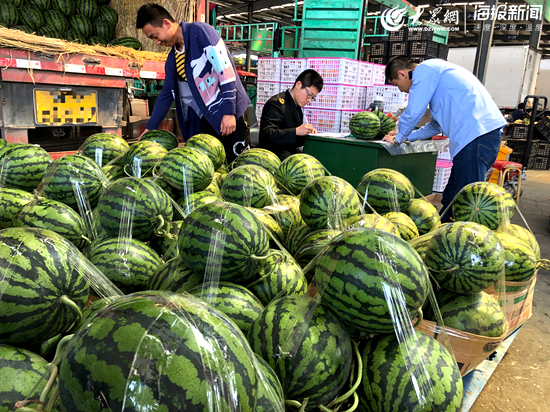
x=260, y=285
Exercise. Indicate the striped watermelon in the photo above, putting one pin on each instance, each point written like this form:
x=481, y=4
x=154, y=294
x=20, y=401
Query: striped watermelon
x=213, y=188
x=166, y=139
x=259, y=157
x=104, y=30
x=475, y=313
x=130, y=42
x=164, y=185
x=250, y=186
x=209, y=145
x=31, y=17
x=174, y=276
x=386, y=190
x=96, y=41
x=17, y=3
x=66, y=7
x=108, y=14
x=510, y=202
x=522, y=234
x=147, y=352
x=24, y=29
x=376, y=222
x=395, y=373
x=465, y=257
x=286, y=213
x=11, y=203
x=3, y=143
x=82, y=25
x=271, y=225
x=22, y=166
x=406, y=226
x=88, y=8
x=196, y=200
x=297, y=171
x=22, y=376
x=482, y=202
x=424, y=215
x=361, y=267
x=187, y=169
x=74, y=37
x=9, y=16
x=56, y=20
x=280, y=276
x=142, y=158
x=54, y=216
x=270, y=390
x=134, y=207
x=296, y=237
x=520, y=261
x=219, y=178
x=170, y=238
x=37, y=305
x=364, y=125
x=307, y=347
x=234, y=301
x=329, y=203
x=72, y=180
x=127, y=262
x=387, y=124
x=41, y=5
x=223, y=239
x=48, y=32
x=421, y=243
x=113, y=172
x=314, y=244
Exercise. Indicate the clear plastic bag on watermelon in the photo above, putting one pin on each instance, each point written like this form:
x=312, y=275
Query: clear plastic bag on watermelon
x=104, y=149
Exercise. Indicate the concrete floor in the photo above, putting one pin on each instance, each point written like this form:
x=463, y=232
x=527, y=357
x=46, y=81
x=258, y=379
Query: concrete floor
x=521, y=381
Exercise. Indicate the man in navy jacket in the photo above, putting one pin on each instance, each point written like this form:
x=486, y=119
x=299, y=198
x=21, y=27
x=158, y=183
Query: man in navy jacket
x=201, y=78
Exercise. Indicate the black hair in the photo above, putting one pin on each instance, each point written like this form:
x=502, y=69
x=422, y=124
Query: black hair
x=521, y=106
x=310, y=78
x=152, y=14
x=398, y=63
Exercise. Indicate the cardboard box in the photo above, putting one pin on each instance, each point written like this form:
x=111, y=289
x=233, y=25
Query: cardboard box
x=140, y=107
x=519, y=304
x=132, y=119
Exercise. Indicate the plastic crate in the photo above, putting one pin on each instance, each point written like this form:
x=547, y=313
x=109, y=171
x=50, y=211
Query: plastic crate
x=391, y=95
x=360, y=98
x=426, y=48
x=540, y=149
x=259, y=109
x=381, y=60
x=291, y=69
x=336, y=97
x=398, y=49
x=266, y=90
x=364, y=74
x=543, y=127
x=324, y=120
x=539, y=162
x=442, y=51
x=419, y=35
x=444, y=155
x=334, y=70
x=378, y=74
x=399, y=35
x=377, y=39
x=346, y=117
x=269, y=69
x=380, y=49
x=442, y=173
x=517, y=146
x=518, y=131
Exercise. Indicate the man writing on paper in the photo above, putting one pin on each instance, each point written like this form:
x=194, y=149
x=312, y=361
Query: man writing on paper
x=460, y=106
x=282, y=126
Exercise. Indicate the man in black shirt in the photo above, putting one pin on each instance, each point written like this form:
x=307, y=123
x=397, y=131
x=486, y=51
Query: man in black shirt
x=282, y=127
x=518, y=113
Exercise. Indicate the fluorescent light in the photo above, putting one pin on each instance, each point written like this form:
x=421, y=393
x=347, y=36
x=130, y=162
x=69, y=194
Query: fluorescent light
x=477, y=3
x=460, y=4
x=424, y=5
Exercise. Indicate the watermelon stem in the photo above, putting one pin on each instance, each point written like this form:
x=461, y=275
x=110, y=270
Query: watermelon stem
x=160, y=230
x=60, y=351
x=48, y=387
x=73, y=306
x=301, y=406
x=274, y=253
x=353, y=389
x=543, y=263
x=53, y=398
x=451, y=269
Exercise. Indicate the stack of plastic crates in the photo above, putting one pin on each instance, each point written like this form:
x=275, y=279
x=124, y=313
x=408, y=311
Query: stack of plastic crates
x=543, y=128
x=378, y=74
x=259, y=109
x=346, y=117
x=442, y=174
x=391, y=95
x=364, y=74
x=324, y=120
x=336, y=97
x=335, y=70
x=291, y=69
x=269, y=69
x=266, y=90
x=426, y=48
x=540, y=155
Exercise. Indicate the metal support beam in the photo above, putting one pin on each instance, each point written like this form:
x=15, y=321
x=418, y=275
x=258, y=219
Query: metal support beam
x=535, y=37
x=207, y=13
x=249, y=43
x=258, y=5
x=484, y=46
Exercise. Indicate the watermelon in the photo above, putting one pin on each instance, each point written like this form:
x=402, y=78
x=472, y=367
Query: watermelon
x=510, y=203
x=329, y=203
x=520, y=260
x=475, y=313
x=424, y=215
x=44, y=286
x=364, y=125
x=270, y=390
x=162, y=244
x=465, y=257
x=9, y=15
x=250, y=186
x=130, y=42
x=166, y=139
x=314, y=244
x=54, y=216
x=128, y=263
x=22, y=166
x=387, y=124
x=146, y=351
x=307, y=347
x=108, y=14
x=482, y=202
x=522, y=234
x=406, y=226
x=223, y=239
x=259, y=157
x=24, y=29
x=41, y=5
x=187, y=169
x=88, y=8
x=396, y=374
x=209, y=145
x=22, y=376
x=104, y=30
x=48, y=32
x=377, y=222
x=74, y=37
x=164, y=185
x=17, y=3
x=296, y=237
x=142, y=158
x=363, y=269
x=271, y=226
x=113, y=172
x=56, y=20
x=297, y=171
x=96, y=41
x=213, y=188
x=196, y=200
x=134, y=208
x=421, y=243
x=74, y=180
x=82, y=25
x=66, y=7
x=3, y=143
x=11, y=203
x=286, y=212
x=386, y=190
x=31, y=17
x=236, y=302
x=280, y=276
x=174, y=276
